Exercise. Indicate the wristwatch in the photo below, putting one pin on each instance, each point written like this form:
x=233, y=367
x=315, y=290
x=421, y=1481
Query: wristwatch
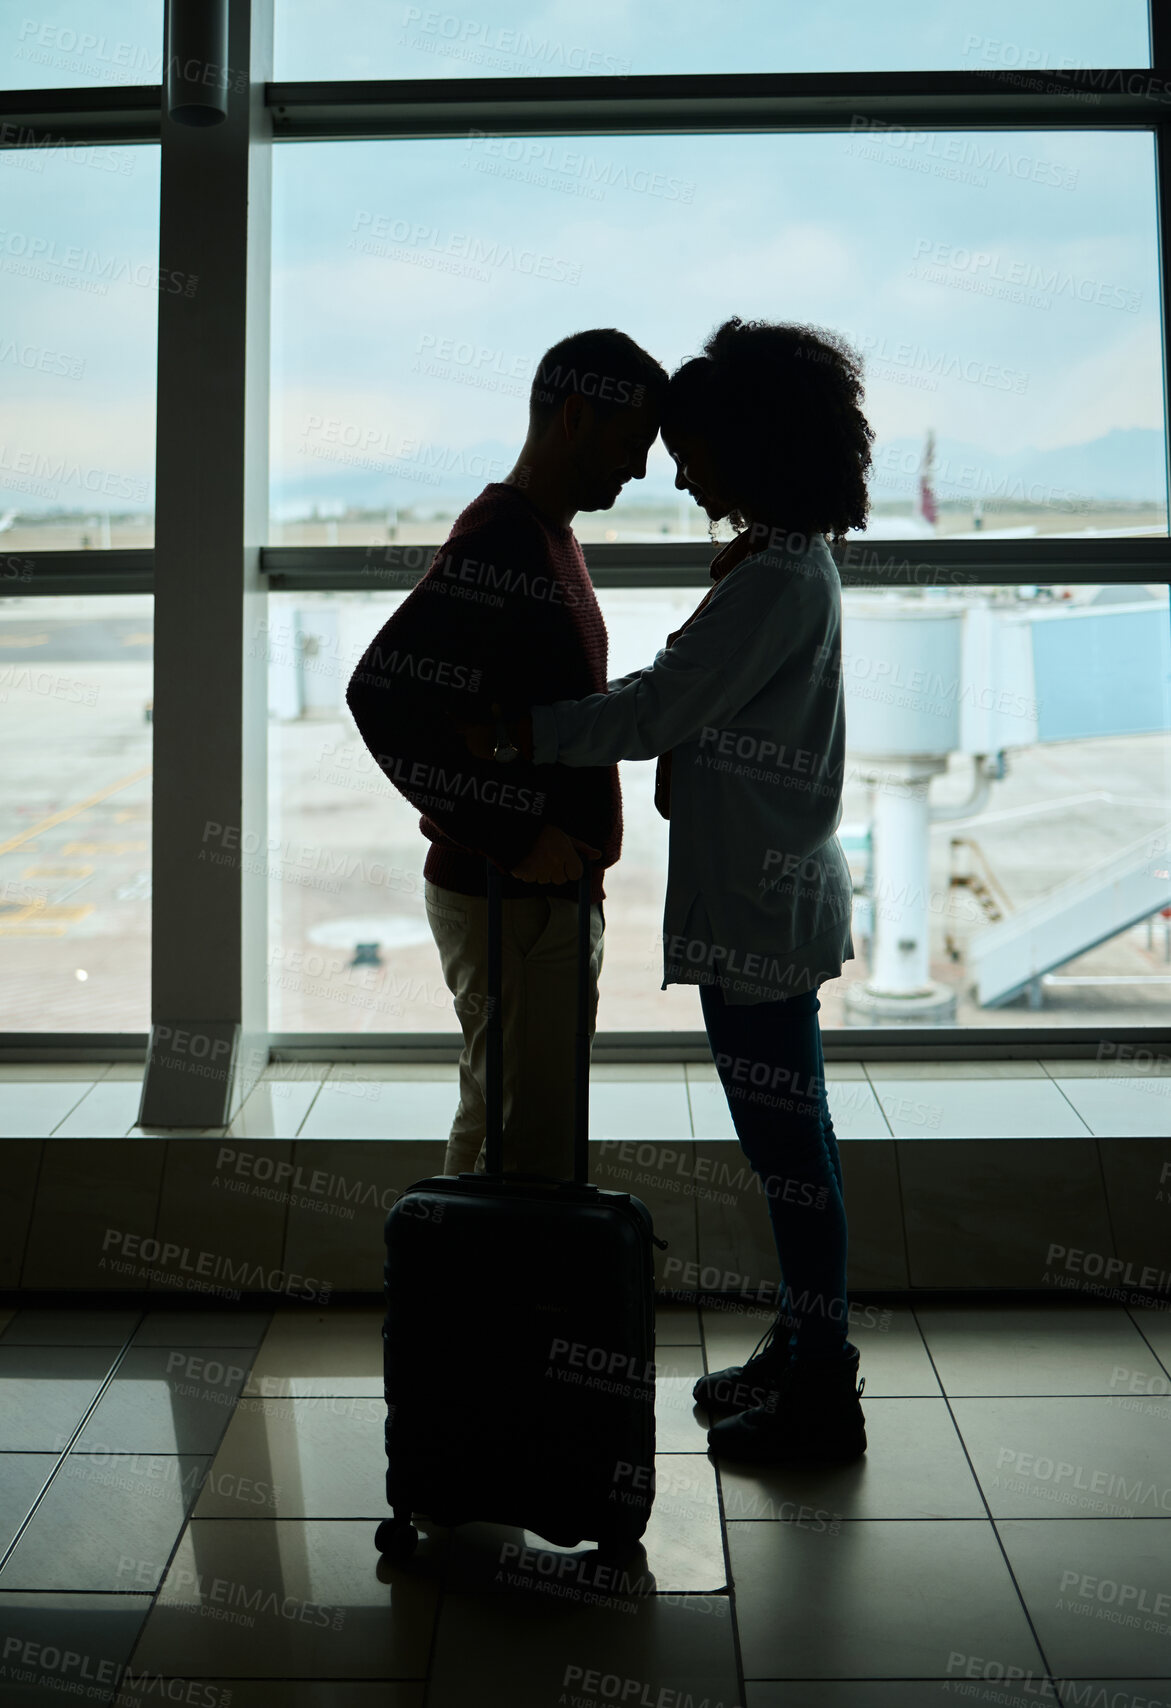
x=504, y=748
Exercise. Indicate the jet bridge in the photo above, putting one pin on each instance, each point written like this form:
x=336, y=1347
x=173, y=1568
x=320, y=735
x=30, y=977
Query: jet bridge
x=961, y=671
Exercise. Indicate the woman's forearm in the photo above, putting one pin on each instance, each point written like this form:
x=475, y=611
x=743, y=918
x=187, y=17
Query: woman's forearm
x=641, y=720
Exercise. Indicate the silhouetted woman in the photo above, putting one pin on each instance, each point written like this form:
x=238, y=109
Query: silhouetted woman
x=745, y=705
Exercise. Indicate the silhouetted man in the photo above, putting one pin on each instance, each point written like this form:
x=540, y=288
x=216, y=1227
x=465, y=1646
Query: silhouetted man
x=506, y=616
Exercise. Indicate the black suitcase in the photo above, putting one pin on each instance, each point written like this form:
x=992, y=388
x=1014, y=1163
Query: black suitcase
x=518, y=1344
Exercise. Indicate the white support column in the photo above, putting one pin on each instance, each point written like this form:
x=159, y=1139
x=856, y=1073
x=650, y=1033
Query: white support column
x=901, y=814
x=209, y=1037
x=900, y=986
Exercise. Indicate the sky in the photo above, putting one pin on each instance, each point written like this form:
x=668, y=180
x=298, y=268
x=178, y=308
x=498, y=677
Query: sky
x=393, y=38
x=1002, y=287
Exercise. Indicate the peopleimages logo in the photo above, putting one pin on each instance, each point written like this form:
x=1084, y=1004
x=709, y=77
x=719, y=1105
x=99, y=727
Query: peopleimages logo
x=602, y=386
x=551, y=165
x=986, y=268
x=438, y=786
x=62, y=1673
x=145, y=1253
x=458, y=251
x=933, y=365
x=967, y=158
x=1115, y=1270
x=423, y=668
x=105, y=269
x=481, y=43
x=46, y=474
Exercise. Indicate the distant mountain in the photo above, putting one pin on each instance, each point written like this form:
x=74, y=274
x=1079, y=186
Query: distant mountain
x=430, y=476
x=1127, y=464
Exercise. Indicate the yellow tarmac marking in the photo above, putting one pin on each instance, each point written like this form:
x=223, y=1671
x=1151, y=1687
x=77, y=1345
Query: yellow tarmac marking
x=56, y=818
x=23, y=640
x=37, y=920
x=138, y=640
x=57, y=872
x=104, y=848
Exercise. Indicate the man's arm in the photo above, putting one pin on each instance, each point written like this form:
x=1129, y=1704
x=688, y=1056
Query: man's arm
x=621, y=681
x=442, y=660
x=424, y=671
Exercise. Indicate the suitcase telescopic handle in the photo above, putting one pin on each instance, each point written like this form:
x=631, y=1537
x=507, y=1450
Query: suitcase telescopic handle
x=494, y=1059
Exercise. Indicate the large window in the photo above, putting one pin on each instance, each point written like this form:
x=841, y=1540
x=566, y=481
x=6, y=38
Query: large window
x=1003, y=288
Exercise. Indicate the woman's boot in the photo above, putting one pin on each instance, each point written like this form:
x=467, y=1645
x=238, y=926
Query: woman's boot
x=812, y=1411
x=749, y=1384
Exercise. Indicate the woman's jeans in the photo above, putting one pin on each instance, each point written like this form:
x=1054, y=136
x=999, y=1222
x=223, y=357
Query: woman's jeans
x=768, y=1056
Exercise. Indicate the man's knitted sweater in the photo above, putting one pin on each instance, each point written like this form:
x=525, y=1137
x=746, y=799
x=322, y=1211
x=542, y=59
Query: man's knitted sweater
x=506, y=612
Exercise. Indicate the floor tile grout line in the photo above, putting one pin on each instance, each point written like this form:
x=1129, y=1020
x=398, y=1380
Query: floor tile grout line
x=28, y=1229
x=287, y=1209
x=73, y=1108
x=8, y=1552
x=973, y=1518
x=916, y=1678
x=725, y=1543
x=1073, y=1106
x=1050, y=1673
x=1105, y=1190
x=376, y=1518
x=262, y=1084
x=311, y=1106
x=187, y=1520
x=874, y=1092
x=730, y=1586
x=440, y=1598
x=904, y=1238
x=1163, y=1363
x=124, y=1594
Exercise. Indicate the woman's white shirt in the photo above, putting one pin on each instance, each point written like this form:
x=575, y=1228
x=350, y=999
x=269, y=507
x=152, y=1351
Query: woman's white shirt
x=750, y=704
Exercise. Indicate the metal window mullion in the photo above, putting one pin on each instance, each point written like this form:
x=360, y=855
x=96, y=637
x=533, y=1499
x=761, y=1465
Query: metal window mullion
x=965, y=1043
x=357, y=109
x=1163, y=252
x=345, y=569
x=841, y=1043
x=887, y=563
x=698, y=103
x=1159, y=24
x=31, y=118
x=209, y=1024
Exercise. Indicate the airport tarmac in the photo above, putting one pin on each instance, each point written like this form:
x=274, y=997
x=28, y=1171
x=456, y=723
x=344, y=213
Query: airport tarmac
x=636, y=514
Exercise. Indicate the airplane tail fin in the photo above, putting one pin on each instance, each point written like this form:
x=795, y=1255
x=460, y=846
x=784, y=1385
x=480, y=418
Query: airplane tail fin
x=926, y=508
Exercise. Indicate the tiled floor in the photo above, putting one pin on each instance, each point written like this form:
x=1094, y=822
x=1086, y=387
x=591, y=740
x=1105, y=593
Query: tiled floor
x=192, y=1496
x=903, y=1100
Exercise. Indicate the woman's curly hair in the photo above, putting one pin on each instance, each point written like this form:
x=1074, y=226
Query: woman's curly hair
x=780, y=409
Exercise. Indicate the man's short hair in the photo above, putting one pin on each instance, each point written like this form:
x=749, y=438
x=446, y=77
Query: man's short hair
x=604, y=366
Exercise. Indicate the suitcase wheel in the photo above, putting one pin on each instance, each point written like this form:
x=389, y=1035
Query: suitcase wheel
x=396, y=1539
